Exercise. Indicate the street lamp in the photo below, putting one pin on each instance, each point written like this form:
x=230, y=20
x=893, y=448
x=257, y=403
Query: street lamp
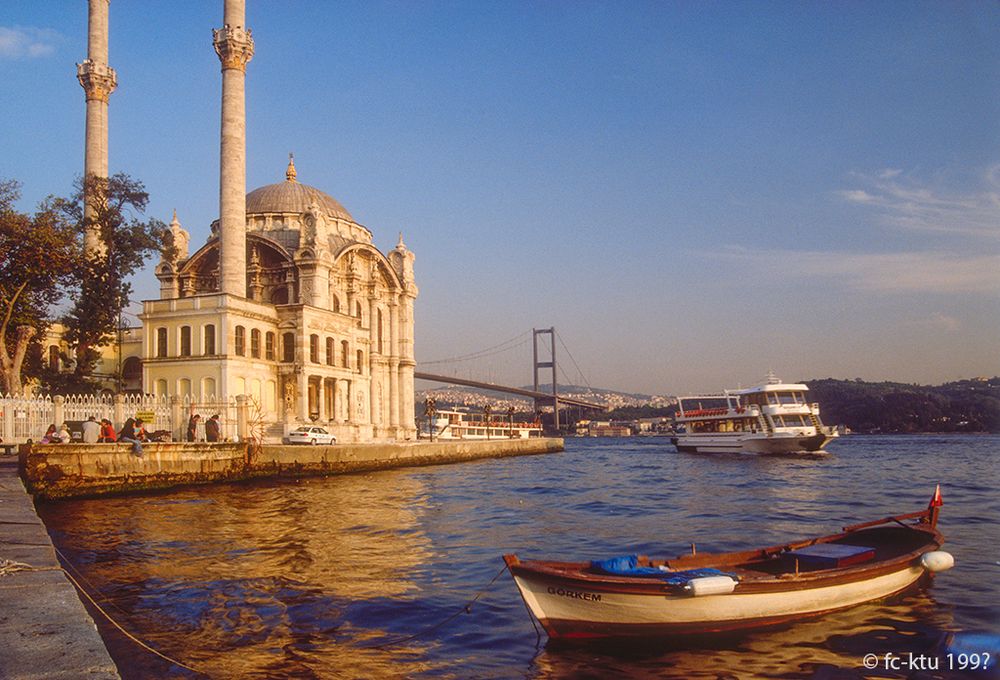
x=510, y=414
x=487, y=410
x=430, y=410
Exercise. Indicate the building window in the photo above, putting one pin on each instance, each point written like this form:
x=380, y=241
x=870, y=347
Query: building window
x=314, y=348
x=357, y=307
x=269, y=346
x=54, y=357
x=335, y=302
x=161, y=343
x=185, y=341
x=255, y=343
x=288, y=348
x=329, y=352
x=241, y=341
x=345, y=354
x=209, y=348
x=361, y=361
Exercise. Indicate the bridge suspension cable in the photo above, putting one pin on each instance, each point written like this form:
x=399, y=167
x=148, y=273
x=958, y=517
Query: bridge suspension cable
x=505, y=346
x=579, y=372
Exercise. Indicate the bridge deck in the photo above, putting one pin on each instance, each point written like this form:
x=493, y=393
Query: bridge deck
x=538, y=396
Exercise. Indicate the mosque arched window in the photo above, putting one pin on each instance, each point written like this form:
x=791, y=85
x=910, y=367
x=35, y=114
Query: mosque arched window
x=314, y=348
x=209, y=345
x=361, y=361
x=255, y=343
x=334, y=302
x=161, y=343
x=288, y=348
x=345, y=354
x=269, y=346
x=185, y=341
x=240, y=341
x=329, y=352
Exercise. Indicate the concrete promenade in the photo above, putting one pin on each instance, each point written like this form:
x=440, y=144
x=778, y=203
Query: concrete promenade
x=45, y=632
x=54, y=471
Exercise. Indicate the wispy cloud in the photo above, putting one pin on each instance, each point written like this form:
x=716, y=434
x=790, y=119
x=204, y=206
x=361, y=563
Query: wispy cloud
x=25, y=42
x=906, y=272
x=911, y=203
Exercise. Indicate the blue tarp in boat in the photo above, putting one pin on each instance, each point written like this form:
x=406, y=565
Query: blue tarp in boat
x=628, y=565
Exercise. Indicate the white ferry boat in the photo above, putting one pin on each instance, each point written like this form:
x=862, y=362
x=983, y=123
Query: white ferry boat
x=773, y=417
x=461, y=424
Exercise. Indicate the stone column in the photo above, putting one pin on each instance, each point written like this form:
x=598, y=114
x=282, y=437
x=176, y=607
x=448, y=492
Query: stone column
x=394, y=362
x=303, y=400
x=234, y=45
x=98, y=81
x=242, y=417
x=178, y=424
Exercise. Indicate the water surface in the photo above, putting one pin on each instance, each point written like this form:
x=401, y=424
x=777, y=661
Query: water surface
x=369, y=575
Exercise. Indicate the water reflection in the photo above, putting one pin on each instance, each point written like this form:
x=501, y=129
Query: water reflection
x=368, y=575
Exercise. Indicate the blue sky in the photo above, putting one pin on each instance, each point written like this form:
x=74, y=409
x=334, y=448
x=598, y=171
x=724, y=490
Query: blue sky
x=691, y=193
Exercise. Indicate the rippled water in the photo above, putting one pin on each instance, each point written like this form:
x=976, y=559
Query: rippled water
x=328, y=577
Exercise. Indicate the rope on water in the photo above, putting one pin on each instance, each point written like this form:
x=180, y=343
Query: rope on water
x=124, y=632
x=466, y=608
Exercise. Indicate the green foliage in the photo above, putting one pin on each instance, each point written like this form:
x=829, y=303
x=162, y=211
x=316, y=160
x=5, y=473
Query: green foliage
x=113, y=212
x=38, y=261
x=963, y=406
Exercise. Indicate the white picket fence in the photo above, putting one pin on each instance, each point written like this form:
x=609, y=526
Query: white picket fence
x=27, y=418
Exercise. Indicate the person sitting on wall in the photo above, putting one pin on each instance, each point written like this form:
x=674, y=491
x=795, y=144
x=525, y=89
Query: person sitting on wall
x=64, y=436
x=91, y=431
x=132, y=433
x=192, y=429
x=107, y=432
x=212, y=428
x=50, y=436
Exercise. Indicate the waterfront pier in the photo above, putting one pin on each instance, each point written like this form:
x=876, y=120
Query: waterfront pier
x=56, y=471
x=45, y=632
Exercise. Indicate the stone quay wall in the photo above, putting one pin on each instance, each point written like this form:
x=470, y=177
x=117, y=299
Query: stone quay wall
x=58, y=471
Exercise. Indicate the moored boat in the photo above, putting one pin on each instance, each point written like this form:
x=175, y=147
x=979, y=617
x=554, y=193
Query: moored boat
x=773, y=417
x=461, y=424
x=701, y=593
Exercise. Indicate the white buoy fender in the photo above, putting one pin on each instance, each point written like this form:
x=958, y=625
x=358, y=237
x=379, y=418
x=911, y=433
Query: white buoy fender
x=710, y=585
x=937, y=560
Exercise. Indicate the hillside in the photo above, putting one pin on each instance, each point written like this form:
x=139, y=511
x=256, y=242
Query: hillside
x=963, y=406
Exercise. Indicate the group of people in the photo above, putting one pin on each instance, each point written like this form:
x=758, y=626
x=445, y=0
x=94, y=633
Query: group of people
x=212, y=428
x=132, y=432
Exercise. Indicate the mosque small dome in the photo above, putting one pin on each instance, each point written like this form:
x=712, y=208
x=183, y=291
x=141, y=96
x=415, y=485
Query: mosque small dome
x=291, y=196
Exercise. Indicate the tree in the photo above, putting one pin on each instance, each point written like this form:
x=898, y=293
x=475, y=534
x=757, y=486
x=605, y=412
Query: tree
x=116, y=205
x=38, y=257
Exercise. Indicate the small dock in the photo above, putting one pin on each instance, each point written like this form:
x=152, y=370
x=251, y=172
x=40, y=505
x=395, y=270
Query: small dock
x=45, y=631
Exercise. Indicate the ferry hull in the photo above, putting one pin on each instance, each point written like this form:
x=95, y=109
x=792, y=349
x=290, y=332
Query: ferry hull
x=571, y=611
x=761, y=444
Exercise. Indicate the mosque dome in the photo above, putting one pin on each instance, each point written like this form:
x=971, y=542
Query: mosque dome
x=291, y=196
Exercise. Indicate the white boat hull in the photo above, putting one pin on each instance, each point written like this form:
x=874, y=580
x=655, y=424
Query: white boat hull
x=741, y=442
x=569, y=611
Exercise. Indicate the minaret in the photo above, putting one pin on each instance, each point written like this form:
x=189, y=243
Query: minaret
x=234, y=45
x=98, y=81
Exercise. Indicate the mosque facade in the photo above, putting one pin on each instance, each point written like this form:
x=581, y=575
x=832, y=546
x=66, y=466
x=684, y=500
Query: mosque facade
x=288, y=302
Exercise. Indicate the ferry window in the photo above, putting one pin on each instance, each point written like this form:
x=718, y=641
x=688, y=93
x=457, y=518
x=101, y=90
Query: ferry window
x=787, y=398
x=240, y=341
x=185, y=341
x=269, y=346
x=161, y=342
x=255, y=343
x=209, y=339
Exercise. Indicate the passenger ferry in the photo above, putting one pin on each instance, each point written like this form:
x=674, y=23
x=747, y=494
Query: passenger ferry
x=461, y=424
x=773, y=417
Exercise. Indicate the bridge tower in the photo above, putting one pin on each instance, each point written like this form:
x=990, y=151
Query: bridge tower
x=547, y=364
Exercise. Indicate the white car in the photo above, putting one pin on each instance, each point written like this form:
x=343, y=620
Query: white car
x=310, y=435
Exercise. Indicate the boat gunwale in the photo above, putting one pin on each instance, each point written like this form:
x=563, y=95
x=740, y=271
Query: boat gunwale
x=574, y=574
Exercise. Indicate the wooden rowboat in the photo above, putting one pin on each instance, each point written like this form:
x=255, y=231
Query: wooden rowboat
x=700, y=593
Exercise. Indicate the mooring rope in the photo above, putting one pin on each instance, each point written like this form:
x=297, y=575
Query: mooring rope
x=466, y=608
x=114, y=623
x=8, y=567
